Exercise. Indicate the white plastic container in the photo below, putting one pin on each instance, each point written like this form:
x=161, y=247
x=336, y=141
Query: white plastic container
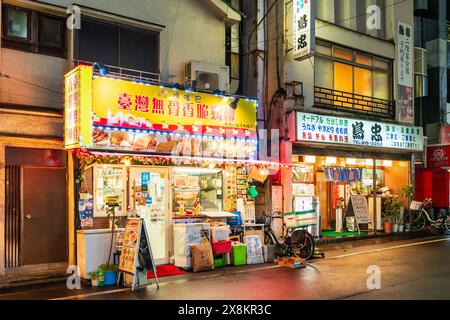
x=220, y=233
x=185, y=234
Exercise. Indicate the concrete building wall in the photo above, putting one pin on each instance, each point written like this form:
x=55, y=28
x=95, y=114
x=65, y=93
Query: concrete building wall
x=194, y=30
x=346, y=34
x=37, y=80
x=432, y=35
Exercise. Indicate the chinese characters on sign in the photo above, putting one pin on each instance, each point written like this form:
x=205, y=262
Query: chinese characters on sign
x=125, y=104
x=329, y=129
x=405, y=73
x=174, y=108
x=303, y=27
x=72, y=108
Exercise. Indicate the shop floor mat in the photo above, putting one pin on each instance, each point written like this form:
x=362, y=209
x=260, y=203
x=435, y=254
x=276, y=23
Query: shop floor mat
x=165, y=271
x=340, y=234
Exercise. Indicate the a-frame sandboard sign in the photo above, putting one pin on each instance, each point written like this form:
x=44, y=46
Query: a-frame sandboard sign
x=357, y=207
x=136, y=257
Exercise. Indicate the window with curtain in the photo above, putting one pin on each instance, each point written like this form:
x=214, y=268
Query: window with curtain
x=353, y=72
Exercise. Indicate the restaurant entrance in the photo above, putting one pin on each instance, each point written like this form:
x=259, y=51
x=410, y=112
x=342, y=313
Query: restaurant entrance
x=326, y=181
x=149, y=197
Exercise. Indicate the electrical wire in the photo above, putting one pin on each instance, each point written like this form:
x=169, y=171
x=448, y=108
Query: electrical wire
x=171, y=37
x=328, y=25
x=30, y=97
x=32, y=84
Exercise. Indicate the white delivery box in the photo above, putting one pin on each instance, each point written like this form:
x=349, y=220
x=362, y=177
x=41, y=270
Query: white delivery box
x=220, y=233
x=185, y=234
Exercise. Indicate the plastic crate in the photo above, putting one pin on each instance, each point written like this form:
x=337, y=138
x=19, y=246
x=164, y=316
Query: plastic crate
x=219, y=260
x=221, y=247
x=239, y=255
x=269, y=253
x=236, y=220
x=300, y=218
x=220, y=233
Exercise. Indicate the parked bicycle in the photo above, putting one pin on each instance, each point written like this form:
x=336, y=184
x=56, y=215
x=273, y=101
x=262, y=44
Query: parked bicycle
x=295, y=241
x=419, y=218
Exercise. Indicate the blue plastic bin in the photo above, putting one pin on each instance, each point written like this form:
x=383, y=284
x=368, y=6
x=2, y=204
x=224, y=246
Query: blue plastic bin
x=235, y=221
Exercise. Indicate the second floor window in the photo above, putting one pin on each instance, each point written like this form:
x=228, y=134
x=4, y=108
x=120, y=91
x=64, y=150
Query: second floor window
x=33, y=31
x=353, y=72
x=117, y=45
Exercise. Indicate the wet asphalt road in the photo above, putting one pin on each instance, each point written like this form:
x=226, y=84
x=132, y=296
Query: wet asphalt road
x=409, y=269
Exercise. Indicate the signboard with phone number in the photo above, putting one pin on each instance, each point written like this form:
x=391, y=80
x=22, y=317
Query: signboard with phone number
x=329, y=129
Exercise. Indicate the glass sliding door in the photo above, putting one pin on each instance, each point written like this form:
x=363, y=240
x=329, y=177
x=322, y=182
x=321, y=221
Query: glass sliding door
x=149, y=197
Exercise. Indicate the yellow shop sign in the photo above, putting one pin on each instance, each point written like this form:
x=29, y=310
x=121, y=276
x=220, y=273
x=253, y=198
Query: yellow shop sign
x=96, y=105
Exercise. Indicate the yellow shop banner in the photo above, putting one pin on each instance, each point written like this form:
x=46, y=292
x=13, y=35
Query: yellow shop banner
x=94, y=106
x=127, y=104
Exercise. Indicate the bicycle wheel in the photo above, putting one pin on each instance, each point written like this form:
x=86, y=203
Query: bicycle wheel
x=447, y=225
x=302, y=244
x=417, y=220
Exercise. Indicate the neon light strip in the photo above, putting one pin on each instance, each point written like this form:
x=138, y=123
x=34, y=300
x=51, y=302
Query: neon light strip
x=196, y=159
x=176, y=134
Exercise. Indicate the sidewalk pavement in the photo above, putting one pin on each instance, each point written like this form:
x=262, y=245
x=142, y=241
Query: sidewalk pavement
x=56, y=288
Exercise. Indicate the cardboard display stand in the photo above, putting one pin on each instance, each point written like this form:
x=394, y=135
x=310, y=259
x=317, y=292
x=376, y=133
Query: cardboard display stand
x=357, y=207
x=136, y=257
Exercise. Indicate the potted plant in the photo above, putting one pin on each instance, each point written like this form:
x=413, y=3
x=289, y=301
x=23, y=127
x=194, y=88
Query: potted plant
x=110, y=274
x=94, y=278
x=391, y=214
x=396, y=221
x=387, y=225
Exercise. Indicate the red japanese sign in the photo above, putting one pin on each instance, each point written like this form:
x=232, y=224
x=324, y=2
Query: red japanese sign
x=438, y=156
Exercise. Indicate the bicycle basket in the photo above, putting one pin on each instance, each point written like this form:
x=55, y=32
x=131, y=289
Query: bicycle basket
x=415, y=205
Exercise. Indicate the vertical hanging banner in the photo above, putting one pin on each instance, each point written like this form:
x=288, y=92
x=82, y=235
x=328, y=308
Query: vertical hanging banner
x=303, y=29
x=405, y=73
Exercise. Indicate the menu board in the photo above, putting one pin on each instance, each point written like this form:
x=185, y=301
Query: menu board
x=331, y=129
x=358, y=208
x=136, y=258
x=130, y=246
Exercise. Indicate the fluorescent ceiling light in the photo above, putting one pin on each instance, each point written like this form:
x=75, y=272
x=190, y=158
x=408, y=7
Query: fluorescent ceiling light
x=195, y=170
x=309, y=159
x=387, y=163
x=330, y=160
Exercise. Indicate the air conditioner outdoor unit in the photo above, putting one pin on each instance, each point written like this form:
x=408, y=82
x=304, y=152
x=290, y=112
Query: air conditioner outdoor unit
x=207, y=76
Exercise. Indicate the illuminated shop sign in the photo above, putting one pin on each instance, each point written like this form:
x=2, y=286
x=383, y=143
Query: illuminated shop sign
x=405, y=71
x=140, y=117
x=438, y=156
x=78, y=86
x=329, y=129
x=303, y=26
